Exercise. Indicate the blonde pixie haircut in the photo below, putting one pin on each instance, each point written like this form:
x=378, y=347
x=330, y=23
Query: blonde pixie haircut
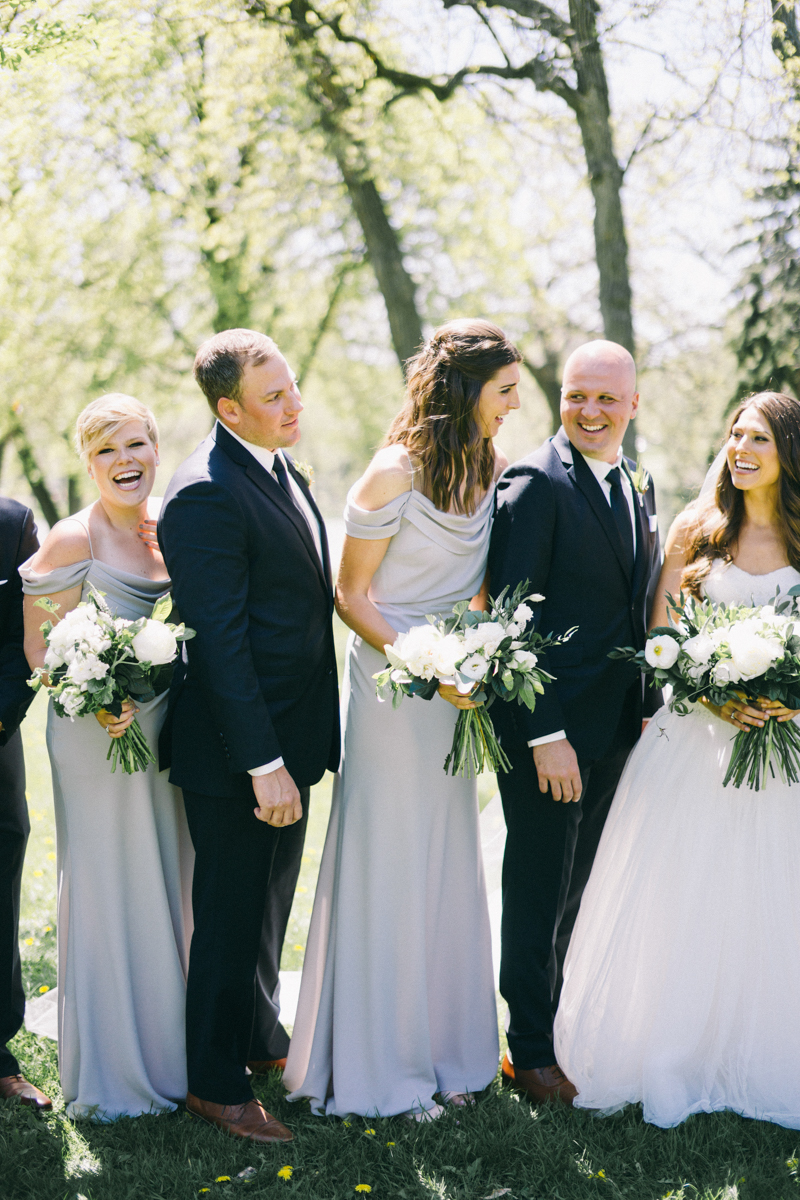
x=102, y=418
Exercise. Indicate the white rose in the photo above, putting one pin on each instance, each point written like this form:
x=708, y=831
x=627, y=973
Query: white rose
x=752, y=655
x=525, y=658
x=417, y=649
x=155, y=643
x=492, y=634
x=661, y=651
x=699, y=648
x=724, y=673
x=447, y=654
x=513, y=629
x=522, y=614
x=474, y=667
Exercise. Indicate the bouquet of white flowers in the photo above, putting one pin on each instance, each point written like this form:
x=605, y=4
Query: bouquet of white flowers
x=718, y=652
x=473, y=651
x=96, y=661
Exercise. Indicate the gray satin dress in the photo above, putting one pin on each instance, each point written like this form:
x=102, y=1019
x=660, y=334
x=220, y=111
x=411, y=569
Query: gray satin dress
x=397, y=998
x=124, y=863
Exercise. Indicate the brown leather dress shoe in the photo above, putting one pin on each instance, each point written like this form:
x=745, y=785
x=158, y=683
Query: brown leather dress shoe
x=14, y=1087
x=250, y=1120
x=264, y=1068
x=539, y=1083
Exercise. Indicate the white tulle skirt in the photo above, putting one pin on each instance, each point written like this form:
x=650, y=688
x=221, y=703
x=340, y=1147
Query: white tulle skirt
x=682, y=982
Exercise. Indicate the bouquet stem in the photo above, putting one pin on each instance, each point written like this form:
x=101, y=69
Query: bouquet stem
x=475, y=745
x=761, y=750
x=130, y=751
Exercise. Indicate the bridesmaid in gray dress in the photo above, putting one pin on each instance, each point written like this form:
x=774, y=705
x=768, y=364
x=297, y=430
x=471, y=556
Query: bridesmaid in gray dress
x=124, y=853
x=397, y=1003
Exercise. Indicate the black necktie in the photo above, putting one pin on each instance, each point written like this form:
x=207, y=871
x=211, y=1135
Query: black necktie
x=622, y=516
x=282, y=476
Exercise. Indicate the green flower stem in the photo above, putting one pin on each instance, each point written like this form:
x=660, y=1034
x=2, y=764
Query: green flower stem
x=475, y=746
x=759, y=751
x=131, y=751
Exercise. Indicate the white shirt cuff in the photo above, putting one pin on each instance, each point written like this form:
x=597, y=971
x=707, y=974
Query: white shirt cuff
x=268, y=768
x=548, y=737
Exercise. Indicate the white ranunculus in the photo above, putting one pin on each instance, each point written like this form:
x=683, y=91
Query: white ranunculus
x=522, y=614
x=492, y=634
x=85, y=667
x=699, y=648
x=661, y=651
x=752, y=655
x=72, y=699
x=724, y=673
x=513, y=629
x=155, y=643
x=475, y=667
x=448, y=653
x=525, y=658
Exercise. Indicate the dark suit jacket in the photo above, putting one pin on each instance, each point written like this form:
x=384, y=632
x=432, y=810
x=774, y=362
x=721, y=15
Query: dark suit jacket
x=555, y=528
x=259, y=679
x=18, y=541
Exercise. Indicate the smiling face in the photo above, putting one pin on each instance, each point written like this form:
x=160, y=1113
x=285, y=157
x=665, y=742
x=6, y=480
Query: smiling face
x=124, y=465
x=268, y=411
x=751, y=452
x=498, y=396
x=598, y=399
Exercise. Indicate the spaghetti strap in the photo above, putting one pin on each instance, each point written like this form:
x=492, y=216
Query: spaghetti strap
x=85, y=526
x=411, y=467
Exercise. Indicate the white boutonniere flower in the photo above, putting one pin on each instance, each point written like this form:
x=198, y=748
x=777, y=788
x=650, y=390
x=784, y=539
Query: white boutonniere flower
x=640, y=478
x=305, y=469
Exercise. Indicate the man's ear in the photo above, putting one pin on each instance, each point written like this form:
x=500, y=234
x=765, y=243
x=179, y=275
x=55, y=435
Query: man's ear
x=635, y=406
x=228, y=410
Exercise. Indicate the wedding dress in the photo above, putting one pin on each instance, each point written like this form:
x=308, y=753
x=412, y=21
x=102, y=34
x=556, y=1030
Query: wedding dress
x=397, y=998
x=682, y=981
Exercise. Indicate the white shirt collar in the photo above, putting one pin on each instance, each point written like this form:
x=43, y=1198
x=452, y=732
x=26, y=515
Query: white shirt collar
x=259, y=453
x=599, y=468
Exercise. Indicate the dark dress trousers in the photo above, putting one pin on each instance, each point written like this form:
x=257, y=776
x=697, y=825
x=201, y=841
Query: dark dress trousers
x=555, y=528
x=17, y=542
x=258, y=682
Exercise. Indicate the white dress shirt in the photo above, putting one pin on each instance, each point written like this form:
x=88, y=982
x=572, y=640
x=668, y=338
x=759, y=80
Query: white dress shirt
x=600, y=471
x=267, y=459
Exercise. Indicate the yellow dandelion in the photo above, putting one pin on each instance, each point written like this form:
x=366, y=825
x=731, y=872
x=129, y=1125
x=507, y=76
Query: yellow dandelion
x=38, y=874
x=370, y=1131
x=222, y=1179
x=601, y=1174
x=28, y=941
x=51, y=856
x=301, y=889
x=44, y=988
x=298, y=947
x=48, y=929
x=347, y=1124
x=204, y=1190
x=285, y=1172
x=390, y=1143
x=363, y=1187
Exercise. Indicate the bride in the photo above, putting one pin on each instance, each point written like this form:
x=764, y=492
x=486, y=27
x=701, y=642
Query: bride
x=682, y=981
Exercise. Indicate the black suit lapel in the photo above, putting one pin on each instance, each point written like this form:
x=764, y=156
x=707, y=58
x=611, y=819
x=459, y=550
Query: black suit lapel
x=587, y=482
x=642, y=537
x=274, y=492
x=323, y=536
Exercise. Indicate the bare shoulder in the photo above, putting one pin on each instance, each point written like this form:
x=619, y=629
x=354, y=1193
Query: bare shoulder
x=500, y=464
x=387, y=477
x=681, y=531
x=66, y=543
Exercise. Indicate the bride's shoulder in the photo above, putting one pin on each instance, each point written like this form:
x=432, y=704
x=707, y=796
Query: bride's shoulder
x=388, y=476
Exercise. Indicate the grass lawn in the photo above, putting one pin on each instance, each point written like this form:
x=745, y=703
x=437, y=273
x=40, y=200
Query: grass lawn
x=501, y=1147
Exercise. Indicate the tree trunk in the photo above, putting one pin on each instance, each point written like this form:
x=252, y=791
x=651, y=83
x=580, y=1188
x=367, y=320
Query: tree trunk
x=34, y=477
x=548, y=377
x=605, y=177
x=384, y=251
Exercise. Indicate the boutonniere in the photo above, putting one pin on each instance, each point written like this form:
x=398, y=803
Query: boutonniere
x=305, y=469
x=640, y=478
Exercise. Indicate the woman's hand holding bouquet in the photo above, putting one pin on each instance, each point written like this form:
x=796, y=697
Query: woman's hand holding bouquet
x=484, y=656
x=743, y=663
x=102, y=664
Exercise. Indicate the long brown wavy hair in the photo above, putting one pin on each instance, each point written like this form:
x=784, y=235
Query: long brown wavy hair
x=439, y=423
x=719, y=521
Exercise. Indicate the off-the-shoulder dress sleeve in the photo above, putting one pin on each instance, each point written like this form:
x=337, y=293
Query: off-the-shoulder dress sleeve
x=46, y=583
x=382, y=523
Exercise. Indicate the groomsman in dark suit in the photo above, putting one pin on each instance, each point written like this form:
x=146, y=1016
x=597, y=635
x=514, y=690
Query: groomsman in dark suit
x=254, y=720
x=572, y=521
x=18, y=542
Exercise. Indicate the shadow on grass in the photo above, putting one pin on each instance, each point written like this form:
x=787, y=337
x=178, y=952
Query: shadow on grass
x=502, y=1143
